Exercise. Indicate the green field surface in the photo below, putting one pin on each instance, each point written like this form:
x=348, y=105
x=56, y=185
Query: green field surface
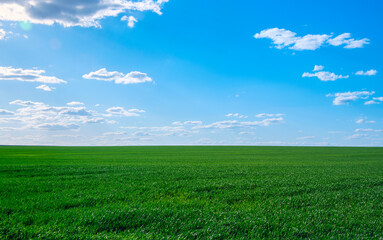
x=212, y=192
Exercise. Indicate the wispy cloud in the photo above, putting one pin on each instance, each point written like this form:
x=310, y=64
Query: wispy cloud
x=371, y=72
x=117, y=77
x=232, y=124
x=265, y=115
x=27, y=75
x=45, y=88
x=236, y=115
x=120, y=111
x=364, y=120
x=347, y=97
x=375, y=100
x=323, y=75
x=285, y=38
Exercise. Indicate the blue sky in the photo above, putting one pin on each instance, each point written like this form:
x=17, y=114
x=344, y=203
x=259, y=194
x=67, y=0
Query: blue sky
x=118, y=72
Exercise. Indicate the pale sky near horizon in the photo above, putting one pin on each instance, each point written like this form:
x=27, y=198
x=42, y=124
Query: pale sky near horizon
x=168, y=72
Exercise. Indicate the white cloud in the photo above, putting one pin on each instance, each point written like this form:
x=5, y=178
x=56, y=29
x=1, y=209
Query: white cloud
x=323, y=75
x=376, y=100
x=347, y=97
x=363, y=120
x=356, y=136
x=45, y=88
x=368, y=130
x=178, y=123
x=284, y=38
x=318, y=68
x=27, y=75
x=232, y=124
x=57, y=126
x=40, y=116
x=345, y=39
x=142, y=134
x=117, y=77
x=120, y=111
x=74, y=103
x=310, y=42
x=236, y=115
x=6, y=112
x=4, y=34
x=246, y=133
x=264, y=115
x=131, y=20
x=192, y=122
x=207, y=141
x=307, y=137
x=26, y=103
x=114, y=133
x=371, y=72
x=182, y=130
x=82, y=13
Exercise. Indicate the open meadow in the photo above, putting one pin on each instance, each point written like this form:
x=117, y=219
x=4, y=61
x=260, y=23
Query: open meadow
x=191, y=192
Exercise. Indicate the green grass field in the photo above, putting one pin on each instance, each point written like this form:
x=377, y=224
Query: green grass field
x=191, y=193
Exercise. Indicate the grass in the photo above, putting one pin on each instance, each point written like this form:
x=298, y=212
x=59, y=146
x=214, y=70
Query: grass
x=191, y=193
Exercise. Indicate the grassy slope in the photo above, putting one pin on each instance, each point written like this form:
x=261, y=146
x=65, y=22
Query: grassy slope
x=191, y=192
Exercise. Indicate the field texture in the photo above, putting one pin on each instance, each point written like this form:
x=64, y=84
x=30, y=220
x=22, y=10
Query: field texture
x=191, y=193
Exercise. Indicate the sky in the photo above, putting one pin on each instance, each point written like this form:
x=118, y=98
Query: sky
x=168, y=72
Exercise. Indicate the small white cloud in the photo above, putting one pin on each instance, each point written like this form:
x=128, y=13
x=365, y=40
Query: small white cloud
x=363, y=120
x=310, y=42
x=318, y=68
x=236, y=115
x=57, y=126
x=323, y=75
x=4, y=34
x=356, y=136
x=117, y=77
x=192, y=122
x=307, y=137
x=368, y=130
x=347, y=97
x=141, y=134
x=120, y=111
x=371, y=72
x=246, y=133
x=26, y=103
x=345, y=39
x=27, y=75
x=284, y=38
x=45, y=88
x=114, y=133
x=234, y=124
x=5, y=112
x=131, y=20
x=376, y=100
x=74, y=103
x=265, y=115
